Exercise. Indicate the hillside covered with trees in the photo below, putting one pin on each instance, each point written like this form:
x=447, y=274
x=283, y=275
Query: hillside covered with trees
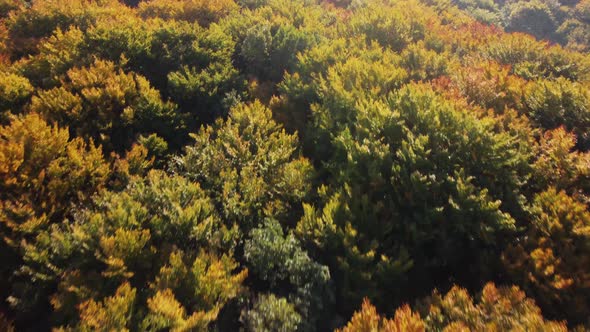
x=294, y=165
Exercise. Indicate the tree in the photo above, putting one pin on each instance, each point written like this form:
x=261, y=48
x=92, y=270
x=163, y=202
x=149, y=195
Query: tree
x=550, y=261
x=498, y=309
x=107, y=105
x=533, y=17
x=44, y=174
x=559, y=165
x=29, y=24
x=414, y=191
x=161, y=235
x=15, y=91
x=279, y=260
x=201, y=11
x=554, y=103
x=368, y=320
x=391, y=24
x=249, y=165
x=272, y=314
x=532, y=59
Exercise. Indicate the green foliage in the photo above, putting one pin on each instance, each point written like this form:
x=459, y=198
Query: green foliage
x=272, y=314
x=555, y=103
x=115, y=242
x=531, y=59
x=340, y=150
x=392, y=26
x=403, y=165
x=423, y=63
x=280, y=260
x=202, y=11
x=249, y=164
x=108, y=105
x=270, y=53
x=15, y=91
x=485, y=11
x=535, y=17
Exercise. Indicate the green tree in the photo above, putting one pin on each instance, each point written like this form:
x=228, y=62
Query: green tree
x=415, y=191
x=554, y=103
x=107, y=105
x=15, y=92
x=43, y=175
x=248, y=164
x=534, y=17
x=272, y=314
x=279, y=260
x=161, y=235
x=29, y=24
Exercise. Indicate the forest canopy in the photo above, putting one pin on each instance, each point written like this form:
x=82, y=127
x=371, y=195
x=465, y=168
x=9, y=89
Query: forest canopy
x=294, y=165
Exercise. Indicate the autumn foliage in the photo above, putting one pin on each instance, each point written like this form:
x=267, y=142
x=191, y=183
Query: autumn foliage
x=294, y=165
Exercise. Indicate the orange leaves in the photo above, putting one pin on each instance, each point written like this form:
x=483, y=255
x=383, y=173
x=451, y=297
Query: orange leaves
x=559, y=164
x=368, y=320
x=111, y=314
x=489, y=85
x=498, y=309
x=44, y=170
x=552, y=260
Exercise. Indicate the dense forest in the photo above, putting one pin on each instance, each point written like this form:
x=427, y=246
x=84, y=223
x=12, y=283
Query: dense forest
x=294, y=165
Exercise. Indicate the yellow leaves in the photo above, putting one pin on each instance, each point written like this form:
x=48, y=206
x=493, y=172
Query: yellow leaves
x=368, y=320
x=122, y=249
x=167, y=312
x=135, y=164
x=365, y=320
x=42, y=172
x=27, y=145
x=14, y=89
x=215, y=281
x=316, y=225
x=104, y=103
x=56, y=103
x=111, y=314
x=204, y=12
x=207, y=286
x=498, y=309
x=166, y=305
x=554, y=258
